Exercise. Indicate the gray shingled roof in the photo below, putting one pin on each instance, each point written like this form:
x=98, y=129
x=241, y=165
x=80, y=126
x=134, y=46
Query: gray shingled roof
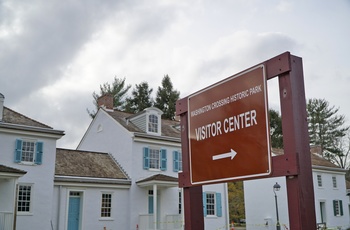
x=12, y=117
x=6, y=169
x=316, y=159
x=76, y=163
x=168, y=126
x=159, y=177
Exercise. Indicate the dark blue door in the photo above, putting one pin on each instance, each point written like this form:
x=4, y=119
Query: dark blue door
x=74, y=213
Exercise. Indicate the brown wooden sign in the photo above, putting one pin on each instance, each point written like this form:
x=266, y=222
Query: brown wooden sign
x=228, y=129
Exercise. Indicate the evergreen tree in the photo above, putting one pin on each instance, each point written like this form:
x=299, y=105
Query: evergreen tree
x=326, y=129
x=166, y=98
x=118, y=89
x=276, y=129
x=140, y=98
x=343, y=159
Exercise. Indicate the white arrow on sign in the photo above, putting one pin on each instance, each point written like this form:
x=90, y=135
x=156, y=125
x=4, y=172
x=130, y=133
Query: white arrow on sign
x=230, y=154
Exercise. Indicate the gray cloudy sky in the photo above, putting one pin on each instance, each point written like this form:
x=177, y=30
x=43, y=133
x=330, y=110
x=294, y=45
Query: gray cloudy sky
x=55, y=54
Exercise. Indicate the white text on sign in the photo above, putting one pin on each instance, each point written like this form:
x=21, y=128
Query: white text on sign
x=227, y=100
x=229, y=124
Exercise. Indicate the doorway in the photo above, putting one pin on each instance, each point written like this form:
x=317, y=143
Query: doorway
x=74, y=211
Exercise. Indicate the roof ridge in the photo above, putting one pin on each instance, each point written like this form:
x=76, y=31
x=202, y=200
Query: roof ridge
x=85, y=151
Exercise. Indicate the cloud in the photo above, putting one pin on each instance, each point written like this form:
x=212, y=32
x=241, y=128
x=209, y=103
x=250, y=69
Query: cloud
x=54, y=54
x=241, y=50
x=44, y=37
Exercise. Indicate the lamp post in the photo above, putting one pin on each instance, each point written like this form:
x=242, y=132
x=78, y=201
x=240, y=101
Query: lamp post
x=277, y=187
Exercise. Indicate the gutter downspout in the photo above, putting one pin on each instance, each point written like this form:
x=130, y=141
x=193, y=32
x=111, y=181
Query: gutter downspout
x=16, y=205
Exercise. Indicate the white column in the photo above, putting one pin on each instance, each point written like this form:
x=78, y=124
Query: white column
x=155, y=211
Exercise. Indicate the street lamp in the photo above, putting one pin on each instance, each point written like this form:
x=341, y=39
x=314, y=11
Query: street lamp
x=277, y=187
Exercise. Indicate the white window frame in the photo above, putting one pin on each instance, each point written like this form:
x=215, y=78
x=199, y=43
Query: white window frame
x=211, y=204
x=153, y=123
x=26, y=152
x=109, y=209
x=319, y=180
x=20, y=200
x=334, y=182
x=337, y=208
x=153, y=160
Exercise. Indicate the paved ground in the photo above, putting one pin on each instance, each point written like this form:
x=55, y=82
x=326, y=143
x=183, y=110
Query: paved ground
x=239, y=228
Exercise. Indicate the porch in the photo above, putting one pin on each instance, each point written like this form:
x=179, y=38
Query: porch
x=157, y=219
x=8, y=183
x=6, y=220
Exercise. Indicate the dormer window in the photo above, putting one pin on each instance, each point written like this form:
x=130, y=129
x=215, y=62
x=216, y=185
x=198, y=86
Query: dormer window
x=149, y=120
x=153, y=123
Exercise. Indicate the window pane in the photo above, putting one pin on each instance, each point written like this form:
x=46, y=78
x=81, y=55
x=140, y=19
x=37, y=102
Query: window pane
x=153, y=123
x=154, y=158
x=28, y=151
x=336, y=208
x=24, y=196
x=334, y=180
x=210, y=204
x=319, y=180
x=106, y=205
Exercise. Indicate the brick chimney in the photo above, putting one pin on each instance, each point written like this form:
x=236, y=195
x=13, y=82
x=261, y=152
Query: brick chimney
x=2, y=98
x=105, y=101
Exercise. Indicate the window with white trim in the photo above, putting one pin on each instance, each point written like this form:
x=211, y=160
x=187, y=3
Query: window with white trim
x=153, y=123
x=28, y=151
x=334, y=181
x=319, y=180
x=154, y=158
x=212, y=204
x=24, y=198
x=338, y=207
x=106, y=205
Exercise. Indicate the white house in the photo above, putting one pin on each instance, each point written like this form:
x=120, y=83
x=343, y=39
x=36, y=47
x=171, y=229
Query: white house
x=148, y=149
x=91, y=191
x=27, y=156
x=331, y=201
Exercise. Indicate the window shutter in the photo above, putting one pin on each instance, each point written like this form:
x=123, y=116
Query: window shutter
x=39, y=153
x=163, y=159
x=176, y=161
x=205, y=204
x=341, y=207
x=334, y=207
x=18, y=151
x=145, y=158
x=218, y=205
